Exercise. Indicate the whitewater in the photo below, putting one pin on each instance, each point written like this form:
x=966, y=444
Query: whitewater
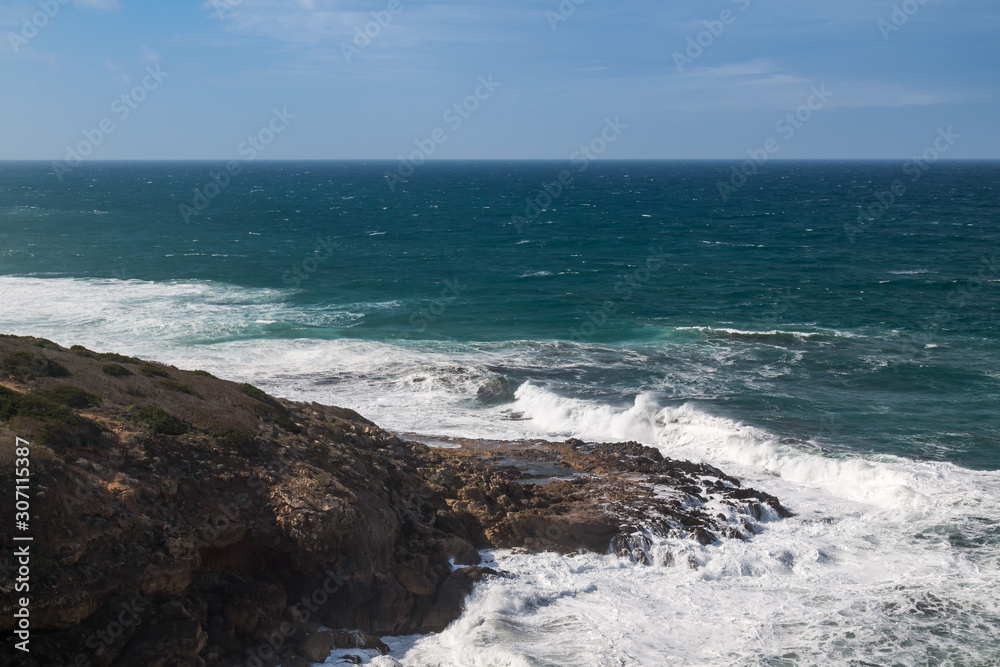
x=889, y=560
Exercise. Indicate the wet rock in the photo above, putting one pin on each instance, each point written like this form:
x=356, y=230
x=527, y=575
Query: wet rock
x=461, y=550
x=451, y=597
x=495, y=389
x=359, y=639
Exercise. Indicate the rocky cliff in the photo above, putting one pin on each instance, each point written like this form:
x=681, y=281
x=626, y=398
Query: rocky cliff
x=180, y=519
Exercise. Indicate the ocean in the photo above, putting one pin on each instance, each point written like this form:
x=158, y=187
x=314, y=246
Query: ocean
x=826, y=331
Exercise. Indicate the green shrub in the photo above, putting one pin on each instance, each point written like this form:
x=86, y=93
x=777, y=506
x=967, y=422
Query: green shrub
x=278, y=413
x=14, y=404
x=42, y=342
x=28, y=366
x=104, y=356
x=258, y=395
x=173, y=385
x=158, y=420
x=120, y=358
x=204, y=374
x=50, y=423
x=81, y=351
x=115, y=370
x=67, y=394
x=243, y=443
x=150, y=371
x=287, y=424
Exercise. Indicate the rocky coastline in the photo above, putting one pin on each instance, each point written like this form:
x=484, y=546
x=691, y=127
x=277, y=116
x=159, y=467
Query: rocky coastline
x=182, y=520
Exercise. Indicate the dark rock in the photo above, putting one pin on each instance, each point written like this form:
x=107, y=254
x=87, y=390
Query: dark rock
x=451, y=597
x=317, y=646
x=359, y=639
x=495, y=389
x=157, y=645
x=262, y=518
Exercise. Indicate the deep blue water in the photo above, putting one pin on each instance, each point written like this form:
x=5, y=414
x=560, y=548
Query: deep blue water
x=850, y=366
x=884, y=333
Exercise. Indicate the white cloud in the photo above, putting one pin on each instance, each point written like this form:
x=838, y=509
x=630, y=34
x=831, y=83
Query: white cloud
x=328, y=22
x=762, y=84
x=150, y=56
x=856, y=94
x=749, y=68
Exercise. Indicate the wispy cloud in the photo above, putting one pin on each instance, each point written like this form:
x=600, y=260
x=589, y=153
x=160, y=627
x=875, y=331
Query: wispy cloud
x=315, y=22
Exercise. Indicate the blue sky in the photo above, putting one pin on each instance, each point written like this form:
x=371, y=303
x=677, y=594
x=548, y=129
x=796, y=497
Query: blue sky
x=227, y=64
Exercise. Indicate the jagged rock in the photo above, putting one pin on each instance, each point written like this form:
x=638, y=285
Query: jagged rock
x=170, y=579
x=242, y=521
x=495, y=389
x=416, y=577
x=461, y=550
x=317, y=646
x=359, y=639
x=451, y=597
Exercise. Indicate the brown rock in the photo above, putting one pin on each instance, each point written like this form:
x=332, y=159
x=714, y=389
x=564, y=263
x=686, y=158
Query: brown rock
x=462, y=551
x=173, y=578
x=317, y=646
x=68, y=610
x=416, y=577
x=201, y=501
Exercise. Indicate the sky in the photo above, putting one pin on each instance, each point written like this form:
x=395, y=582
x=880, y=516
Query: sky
x=532, y=79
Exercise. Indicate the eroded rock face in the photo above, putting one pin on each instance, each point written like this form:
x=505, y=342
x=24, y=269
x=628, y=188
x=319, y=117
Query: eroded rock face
x=604, y=496
x=216, y=525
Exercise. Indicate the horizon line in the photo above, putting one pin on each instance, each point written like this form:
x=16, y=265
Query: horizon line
x=446, y=160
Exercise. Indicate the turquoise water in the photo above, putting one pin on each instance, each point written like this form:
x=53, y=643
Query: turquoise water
x=839, y=362
x=856, y=355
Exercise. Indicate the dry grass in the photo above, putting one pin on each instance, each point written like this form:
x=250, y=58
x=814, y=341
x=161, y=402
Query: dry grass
x=233, y=407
